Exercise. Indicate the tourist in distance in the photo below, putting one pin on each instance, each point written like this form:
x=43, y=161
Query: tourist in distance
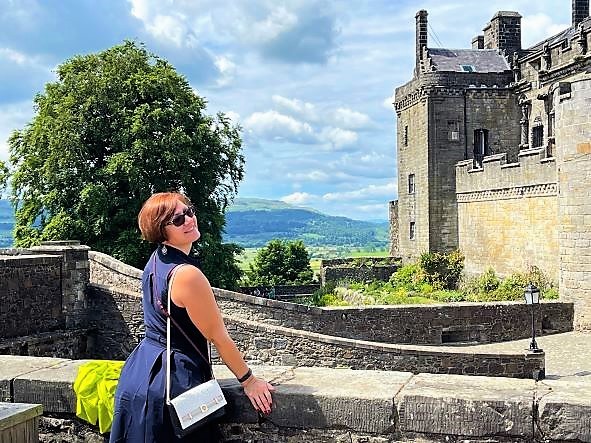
x=168, y=219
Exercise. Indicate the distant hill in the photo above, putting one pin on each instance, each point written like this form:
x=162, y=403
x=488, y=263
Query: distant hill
x=6, y=224
x=254, y=222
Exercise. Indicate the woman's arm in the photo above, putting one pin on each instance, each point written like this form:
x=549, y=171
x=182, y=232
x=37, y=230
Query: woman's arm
x=191, y=290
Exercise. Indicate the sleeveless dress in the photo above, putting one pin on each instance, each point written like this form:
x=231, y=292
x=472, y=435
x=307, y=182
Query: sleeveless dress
x=140, y=411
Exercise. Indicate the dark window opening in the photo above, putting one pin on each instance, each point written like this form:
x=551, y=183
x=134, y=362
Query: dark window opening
x=480, y=145
x=412, y=233
x=453, y=131
x=468, y=68
x=537, y=136
x=411, y=183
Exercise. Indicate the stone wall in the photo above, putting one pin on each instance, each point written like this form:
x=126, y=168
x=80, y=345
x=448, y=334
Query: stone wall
x=324, y=405
x=359, y=269
x=115, y=321
x=59, y=343
x=573, y=135
x=275, y=345
x=31, y=294
x=410, y=324
x=508, y=214
x=108, y=271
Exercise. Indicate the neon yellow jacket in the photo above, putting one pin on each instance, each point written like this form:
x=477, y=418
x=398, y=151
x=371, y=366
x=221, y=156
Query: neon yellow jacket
x=95, y=387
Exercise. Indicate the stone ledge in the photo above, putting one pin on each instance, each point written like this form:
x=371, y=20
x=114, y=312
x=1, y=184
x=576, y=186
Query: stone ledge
x=114, y=264
x=384, y=403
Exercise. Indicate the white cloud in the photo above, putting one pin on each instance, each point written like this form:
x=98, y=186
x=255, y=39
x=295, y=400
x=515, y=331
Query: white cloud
x=233, y=116
x=337, y=137
x=537, y=27
x=298, y=107
x=372, y=191
x=227, y=70
x=299, y=198
x=12, y=116
x=350, y=119
x=273, y=125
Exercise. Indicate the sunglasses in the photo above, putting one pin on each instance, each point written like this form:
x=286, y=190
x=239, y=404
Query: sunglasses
x=179, y=219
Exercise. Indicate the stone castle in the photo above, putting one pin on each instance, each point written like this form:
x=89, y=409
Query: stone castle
x=494, y=153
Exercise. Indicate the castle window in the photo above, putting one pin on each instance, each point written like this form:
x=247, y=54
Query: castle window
x=468, y=68
x=565, y=45
x=453, y=131
x=480, y=145
x=411, y=183
x=537, y=133
x=411, y=231
x=405, y=136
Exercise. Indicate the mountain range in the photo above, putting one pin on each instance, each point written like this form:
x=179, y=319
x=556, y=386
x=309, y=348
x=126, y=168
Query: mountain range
x=253, y=222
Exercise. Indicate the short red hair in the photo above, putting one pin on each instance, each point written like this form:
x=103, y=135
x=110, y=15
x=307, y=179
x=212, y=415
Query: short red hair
x=156, y=212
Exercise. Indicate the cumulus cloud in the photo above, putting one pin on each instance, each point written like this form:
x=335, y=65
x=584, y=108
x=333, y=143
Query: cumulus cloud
x=273, y=125
x=337, y=138
x=350, y=119
x=300, y=31
x=12, y=116
x=369, y=192
x=537, y=27
x=297, y=107
x=299, y=198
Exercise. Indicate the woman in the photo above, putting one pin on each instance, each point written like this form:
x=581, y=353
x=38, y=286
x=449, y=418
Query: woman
x=168, y=219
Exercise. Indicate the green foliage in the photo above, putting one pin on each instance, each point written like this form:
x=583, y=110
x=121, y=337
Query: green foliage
x=489, y=287
x=410, y=277
x=114, y=128
x=280, y=263
x=443, y=270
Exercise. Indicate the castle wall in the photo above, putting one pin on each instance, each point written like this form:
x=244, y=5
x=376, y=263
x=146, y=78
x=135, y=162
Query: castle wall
x=413, y=207
x=394, y=229
x=573, y=135
x=31, y=294
x=508, y=214
x=445, y=107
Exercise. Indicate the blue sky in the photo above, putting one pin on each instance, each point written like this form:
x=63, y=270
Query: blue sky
x=309, y=81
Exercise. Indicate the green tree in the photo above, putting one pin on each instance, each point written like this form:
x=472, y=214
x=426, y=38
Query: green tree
x=281, y=263
x=114, y=128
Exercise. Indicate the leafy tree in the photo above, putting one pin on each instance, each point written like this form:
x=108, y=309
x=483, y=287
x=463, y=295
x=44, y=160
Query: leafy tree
x=281, y=262
x=114, y=128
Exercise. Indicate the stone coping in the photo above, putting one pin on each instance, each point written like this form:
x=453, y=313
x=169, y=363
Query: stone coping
x=113, y=263
x=385, y=403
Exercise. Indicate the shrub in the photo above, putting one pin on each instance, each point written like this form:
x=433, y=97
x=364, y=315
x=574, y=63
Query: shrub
x=443, y=270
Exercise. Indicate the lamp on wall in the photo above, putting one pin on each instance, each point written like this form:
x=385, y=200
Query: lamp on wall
x=532, y=297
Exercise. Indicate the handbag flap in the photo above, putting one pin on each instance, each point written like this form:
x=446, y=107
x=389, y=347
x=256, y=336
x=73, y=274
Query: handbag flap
x=197, y=403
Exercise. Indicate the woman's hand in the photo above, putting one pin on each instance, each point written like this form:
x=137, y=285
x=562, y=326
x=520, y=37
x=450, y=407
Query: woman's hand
x=258, y=392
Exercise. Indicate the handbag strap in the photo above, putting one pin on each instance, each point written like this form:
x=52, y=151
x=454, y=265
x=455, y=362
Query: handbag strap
x=170, y=319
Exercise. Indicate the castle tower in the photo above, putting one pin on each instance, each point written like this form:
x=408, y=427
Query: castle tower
x=580, y=11
x=503, y=32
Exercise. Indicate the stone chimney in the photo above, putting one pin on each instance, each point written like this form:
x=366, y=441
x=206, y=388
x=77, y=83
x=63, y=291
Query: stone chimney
x=580, y=11
x=421, y=42
x=503, y=32
x=478, y=42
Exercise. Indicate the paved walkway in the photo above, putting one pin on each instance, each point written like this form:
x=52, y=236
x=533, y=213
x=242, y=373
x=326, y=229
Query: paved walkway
x=568, y=355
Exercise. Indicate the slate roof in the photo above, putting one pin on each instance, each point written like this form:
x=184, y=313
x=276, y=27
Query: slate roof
x=483, y=60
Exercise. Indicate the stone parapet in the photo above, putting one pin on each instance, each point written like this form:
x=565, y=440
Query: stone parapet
x=31, y=294
x=328, y=405
x=410, y=324
x=533, y=175
x=108, y=271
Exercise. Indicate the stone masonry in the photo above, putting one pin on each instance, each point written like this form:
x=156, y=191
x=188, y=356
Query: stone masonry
x=494, y=154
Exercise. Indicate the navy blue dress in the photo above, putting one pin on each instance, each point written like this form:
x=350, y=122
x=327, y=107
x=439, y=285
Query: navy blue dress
x=140, y=411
